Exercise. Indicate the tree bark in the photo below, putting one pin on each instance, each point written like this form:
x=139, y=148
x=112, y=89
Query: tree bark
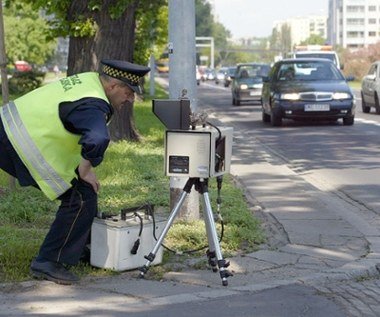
x=119, y=128
x=114, y=39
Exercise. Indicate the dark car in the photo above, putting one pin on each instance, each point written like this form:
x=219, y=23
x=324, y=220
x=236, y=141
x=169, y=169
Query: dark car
x=306, y=88
x=248, y=82
x=370, y=91
x=228, y=78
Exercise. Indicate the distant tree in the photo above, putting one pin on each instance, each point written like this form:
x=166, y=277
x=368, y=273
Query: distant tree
x=274, y=42
x=314, y=39
x=26, y=35
x=204, y=19
x=105, y=29
x=285, y=39
x=158, y=31
x=221, y=35
x=205, y=25
x=280, y=41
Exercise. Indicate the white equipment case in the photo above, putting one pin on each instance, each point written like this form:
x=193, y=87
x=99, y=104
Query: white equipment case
x=112, y=240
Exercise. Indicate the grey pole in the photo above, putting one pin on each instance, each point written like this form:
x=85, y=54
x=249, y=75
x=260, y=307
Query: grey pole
x=4, y=77
x=152, y=75
x=182, y=50
x=3, y=59
x=182, y=82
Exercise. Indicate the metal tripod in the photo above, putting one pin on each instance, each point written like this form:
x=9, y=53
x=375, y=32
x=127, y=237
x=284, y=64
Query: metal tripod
x=214, y=254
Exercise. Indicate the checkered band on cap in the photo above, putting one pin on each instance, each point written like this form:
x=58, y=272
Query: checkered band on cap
x=117, y=73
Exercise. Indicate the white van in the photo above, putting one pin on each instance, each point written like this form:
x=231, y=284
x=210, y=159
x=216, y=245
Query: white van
x=317, y=51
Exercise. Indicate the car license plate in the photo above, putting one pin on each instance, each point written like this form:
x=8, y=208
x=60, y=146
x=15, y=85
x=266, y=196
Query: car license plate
x=255, y=93
x=317, y=107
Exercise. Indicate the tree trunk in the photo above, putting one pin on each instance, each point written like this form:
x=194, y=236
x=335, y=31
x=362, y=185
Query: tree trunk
x=114, y=39
x=119, y=128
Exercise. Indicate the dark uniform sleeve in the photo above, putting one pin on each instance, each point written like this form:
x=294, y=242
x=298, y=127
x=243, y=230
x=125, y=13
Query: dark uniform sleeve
x=88, y=117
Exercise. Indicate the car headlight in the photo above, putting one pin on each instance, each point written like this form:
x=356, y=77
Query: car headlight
x=341, y=95
x=243, y=86
x=290, y=96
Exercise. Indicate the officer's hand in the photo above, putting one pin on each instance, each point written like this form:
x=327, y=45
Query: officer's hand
x=87, y=174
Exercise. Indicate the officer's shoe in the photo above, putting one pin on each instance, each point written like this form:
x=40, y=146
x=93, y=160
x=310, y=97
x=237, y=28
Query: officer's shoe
x=52, y=271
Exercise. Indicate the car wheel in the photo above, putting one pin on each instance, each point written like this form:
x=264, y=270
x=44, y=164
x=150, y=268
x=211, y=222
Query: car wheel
x=265, y=116
x=348, y=120
x=276, y=120
x=377, y=105
x=365, y=108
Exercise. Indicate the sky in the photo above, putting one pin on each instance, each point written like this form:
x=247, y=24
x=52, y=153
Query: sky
x=249, y=18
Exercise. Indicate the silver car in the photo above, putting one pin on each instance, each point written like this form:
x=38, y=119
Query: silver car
x=371, y=89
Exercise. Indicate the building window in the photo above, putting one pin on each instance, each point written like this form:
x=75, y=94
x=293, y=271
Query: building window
x=371, y=33
x=353, y=21
x=355, y=9
x=355, y=34
x=354, y=46
x=372, y=21
x=371, y=8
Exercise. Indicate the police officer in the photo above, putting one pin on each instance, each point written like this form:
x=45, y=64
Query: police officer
x=51, y=138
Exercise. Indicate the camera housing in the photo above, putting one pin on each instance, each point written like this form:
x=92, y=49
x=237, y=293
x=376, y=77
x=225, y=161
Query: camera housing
x=174, y=114
x=203, y=153
x=193, y=146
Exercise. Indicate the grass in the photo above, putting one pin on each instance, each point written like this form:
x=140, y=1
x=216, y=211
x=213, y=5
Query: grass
x=356, y=84
x=131, y=175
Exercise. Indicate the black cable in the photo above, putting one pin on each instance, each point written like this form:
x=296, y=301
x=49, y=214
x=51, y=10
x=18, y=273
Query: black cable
x=150, y=212
x=123, y=216
x=215, y=127
x=137, y=242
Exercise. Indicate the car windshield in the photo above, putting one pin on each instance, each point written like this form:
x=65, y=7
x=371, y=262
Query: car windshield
x=231, y=70
x=308, y=71
x=248, y=71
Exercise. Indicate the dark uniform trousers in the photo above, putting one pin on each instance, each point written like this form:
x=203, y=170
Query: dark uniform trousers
x=70, y=231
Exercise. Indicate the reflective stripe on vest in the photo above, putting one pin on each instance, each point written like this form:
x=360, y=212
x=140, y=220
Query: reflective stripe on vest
x=22, y=137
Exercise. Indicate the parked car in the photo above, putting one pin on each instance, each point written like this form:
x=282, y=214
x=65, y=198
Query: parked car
x=306, y=88
x=371, y=89
x=198, y=75
x=162, y=65
x=230, y=73
x=220, y=74
x=248, y=82
x=23, y=66
x=209, y=74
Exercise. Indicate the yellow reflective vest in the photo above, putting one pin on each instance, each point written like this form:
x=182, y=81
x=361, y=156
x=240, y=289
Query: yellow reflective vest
x=32, y=124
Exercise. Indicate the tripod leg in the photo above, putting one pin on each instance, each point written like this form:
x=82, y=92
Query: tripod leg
x=150, y=258
x=211, y=255
x=214, y=245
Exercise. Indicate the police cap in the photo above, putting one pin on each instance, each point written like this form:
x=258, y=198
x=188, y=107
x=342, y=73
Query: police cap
x=127, y=72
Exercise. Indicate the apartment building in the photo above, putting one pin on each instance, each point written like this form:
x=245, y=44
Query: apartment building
x=353, y=24
x=302, y=28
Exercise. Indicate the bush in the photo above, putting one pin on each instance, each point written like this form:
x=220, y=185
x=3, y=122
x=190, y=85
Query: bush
x=23, y=82
x=358, y=62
